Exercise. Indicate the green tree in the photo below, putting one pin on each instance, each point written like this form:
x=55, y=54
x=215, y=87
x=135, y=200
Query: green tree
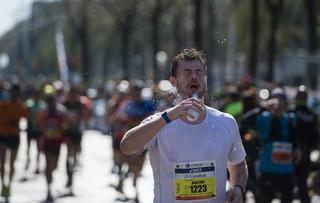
x=254, y=35
x=198, y=21
x=79, y=26
x=311, y=39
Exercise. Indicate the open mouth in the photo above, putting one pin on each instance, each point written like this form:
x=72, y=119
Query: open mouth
x=194, y=87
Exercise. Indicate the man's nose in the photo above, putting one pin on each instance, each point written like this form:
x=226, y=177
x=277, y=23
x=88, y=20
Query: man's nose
x=194, y=75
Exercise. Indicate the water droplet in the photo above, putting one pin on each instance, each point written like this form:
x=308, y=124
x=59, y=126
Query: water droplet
x=234, y=149
x=212, y=126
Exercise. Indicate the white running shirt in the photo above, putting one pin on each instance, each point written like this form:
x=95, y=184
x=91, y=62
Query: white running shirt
x=215, y=140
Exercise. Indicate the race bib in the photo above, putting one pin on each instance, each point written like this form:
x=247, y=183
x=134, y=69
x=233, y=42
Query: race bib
x=195, y=180
x=52, y=133
x=281, y=152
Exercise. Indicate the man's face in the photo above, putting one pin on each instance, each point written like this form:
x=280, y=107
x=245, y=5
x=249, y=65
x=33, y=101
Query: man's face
x=135, y=94
x=51, y=103
x=277, y=105
x=191, y=77
x=73, y=95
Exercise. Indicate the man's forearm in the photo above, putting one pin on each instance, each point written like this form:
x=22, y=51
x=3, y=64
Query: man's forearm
x=134, y=140
x=238, y=174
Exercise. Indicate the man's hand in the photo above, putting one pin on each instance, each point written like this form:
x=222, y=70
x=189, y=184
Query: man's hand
x=235, y=195
x=238, y=178
x=180, y=110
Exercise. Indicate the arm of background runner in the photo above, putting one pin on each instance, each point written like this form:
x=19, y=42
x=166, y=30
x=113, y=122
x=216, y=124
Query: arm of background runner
x=39, y=123
x=297, y=153
x=238, y=176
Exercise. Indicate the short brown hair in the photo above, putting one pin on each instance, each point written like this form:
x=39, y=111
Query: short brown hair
x=189, y=54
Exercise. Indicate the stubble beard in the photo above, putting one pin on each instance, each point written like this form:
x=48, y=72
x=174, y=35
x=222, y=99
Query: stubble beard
x=184, y=93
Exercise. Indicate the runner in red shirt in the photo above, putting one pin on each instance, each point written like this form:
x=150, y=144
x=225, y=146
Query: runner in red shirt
x=52, y=123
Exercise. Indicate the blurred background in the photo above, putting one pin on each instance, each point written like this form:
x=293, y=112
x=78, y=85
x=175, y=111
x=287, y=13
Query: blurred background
x=92, y=41
x=102, y=48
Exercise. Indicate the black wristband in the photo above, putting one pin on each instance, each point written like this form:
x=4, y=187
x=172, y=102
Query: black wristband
x=243, y=191
x=164, y=115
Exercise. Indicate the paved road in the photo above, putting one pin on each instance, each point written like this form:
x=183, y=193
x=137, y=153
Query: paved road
x=92, y=182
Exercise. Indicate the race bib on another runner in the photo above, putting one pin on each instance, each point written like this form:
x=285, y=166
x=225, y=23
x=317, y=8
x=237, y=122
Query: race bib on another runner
x=53, y=133
x=281, y=152
x=195, y=180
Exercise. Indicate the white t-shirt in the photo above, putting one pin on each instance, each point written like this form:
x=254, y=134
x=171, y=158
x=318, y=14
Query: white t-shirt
x=215, y=140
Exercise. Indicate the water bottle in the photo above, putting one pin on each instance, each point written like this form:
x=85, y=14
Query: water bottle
x=193, y=115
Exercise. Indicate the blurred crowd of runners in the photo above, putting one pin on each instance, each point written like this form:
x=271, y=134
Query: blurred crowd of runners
x=278, y=125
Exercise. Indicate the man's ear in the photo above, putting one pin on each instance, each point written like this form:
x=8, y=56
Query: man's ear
x=173, y=81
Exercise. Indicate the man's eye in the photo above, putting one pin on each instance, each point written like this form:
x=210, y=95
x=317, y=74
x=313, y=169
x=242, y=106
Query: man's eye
x=187, y=72
x=199, y=72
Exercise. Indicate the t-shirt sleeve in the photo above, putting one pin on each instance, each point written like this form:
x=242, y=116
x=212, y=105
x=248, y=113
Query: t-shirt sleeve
x=237, y=152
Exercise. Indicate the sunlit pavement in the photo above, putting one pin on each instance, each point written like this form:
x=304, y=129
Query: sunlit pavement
x=93, y=180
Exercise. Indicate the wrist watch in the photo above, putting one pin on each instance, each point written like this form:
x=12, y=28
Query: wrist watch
x=164, y=115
